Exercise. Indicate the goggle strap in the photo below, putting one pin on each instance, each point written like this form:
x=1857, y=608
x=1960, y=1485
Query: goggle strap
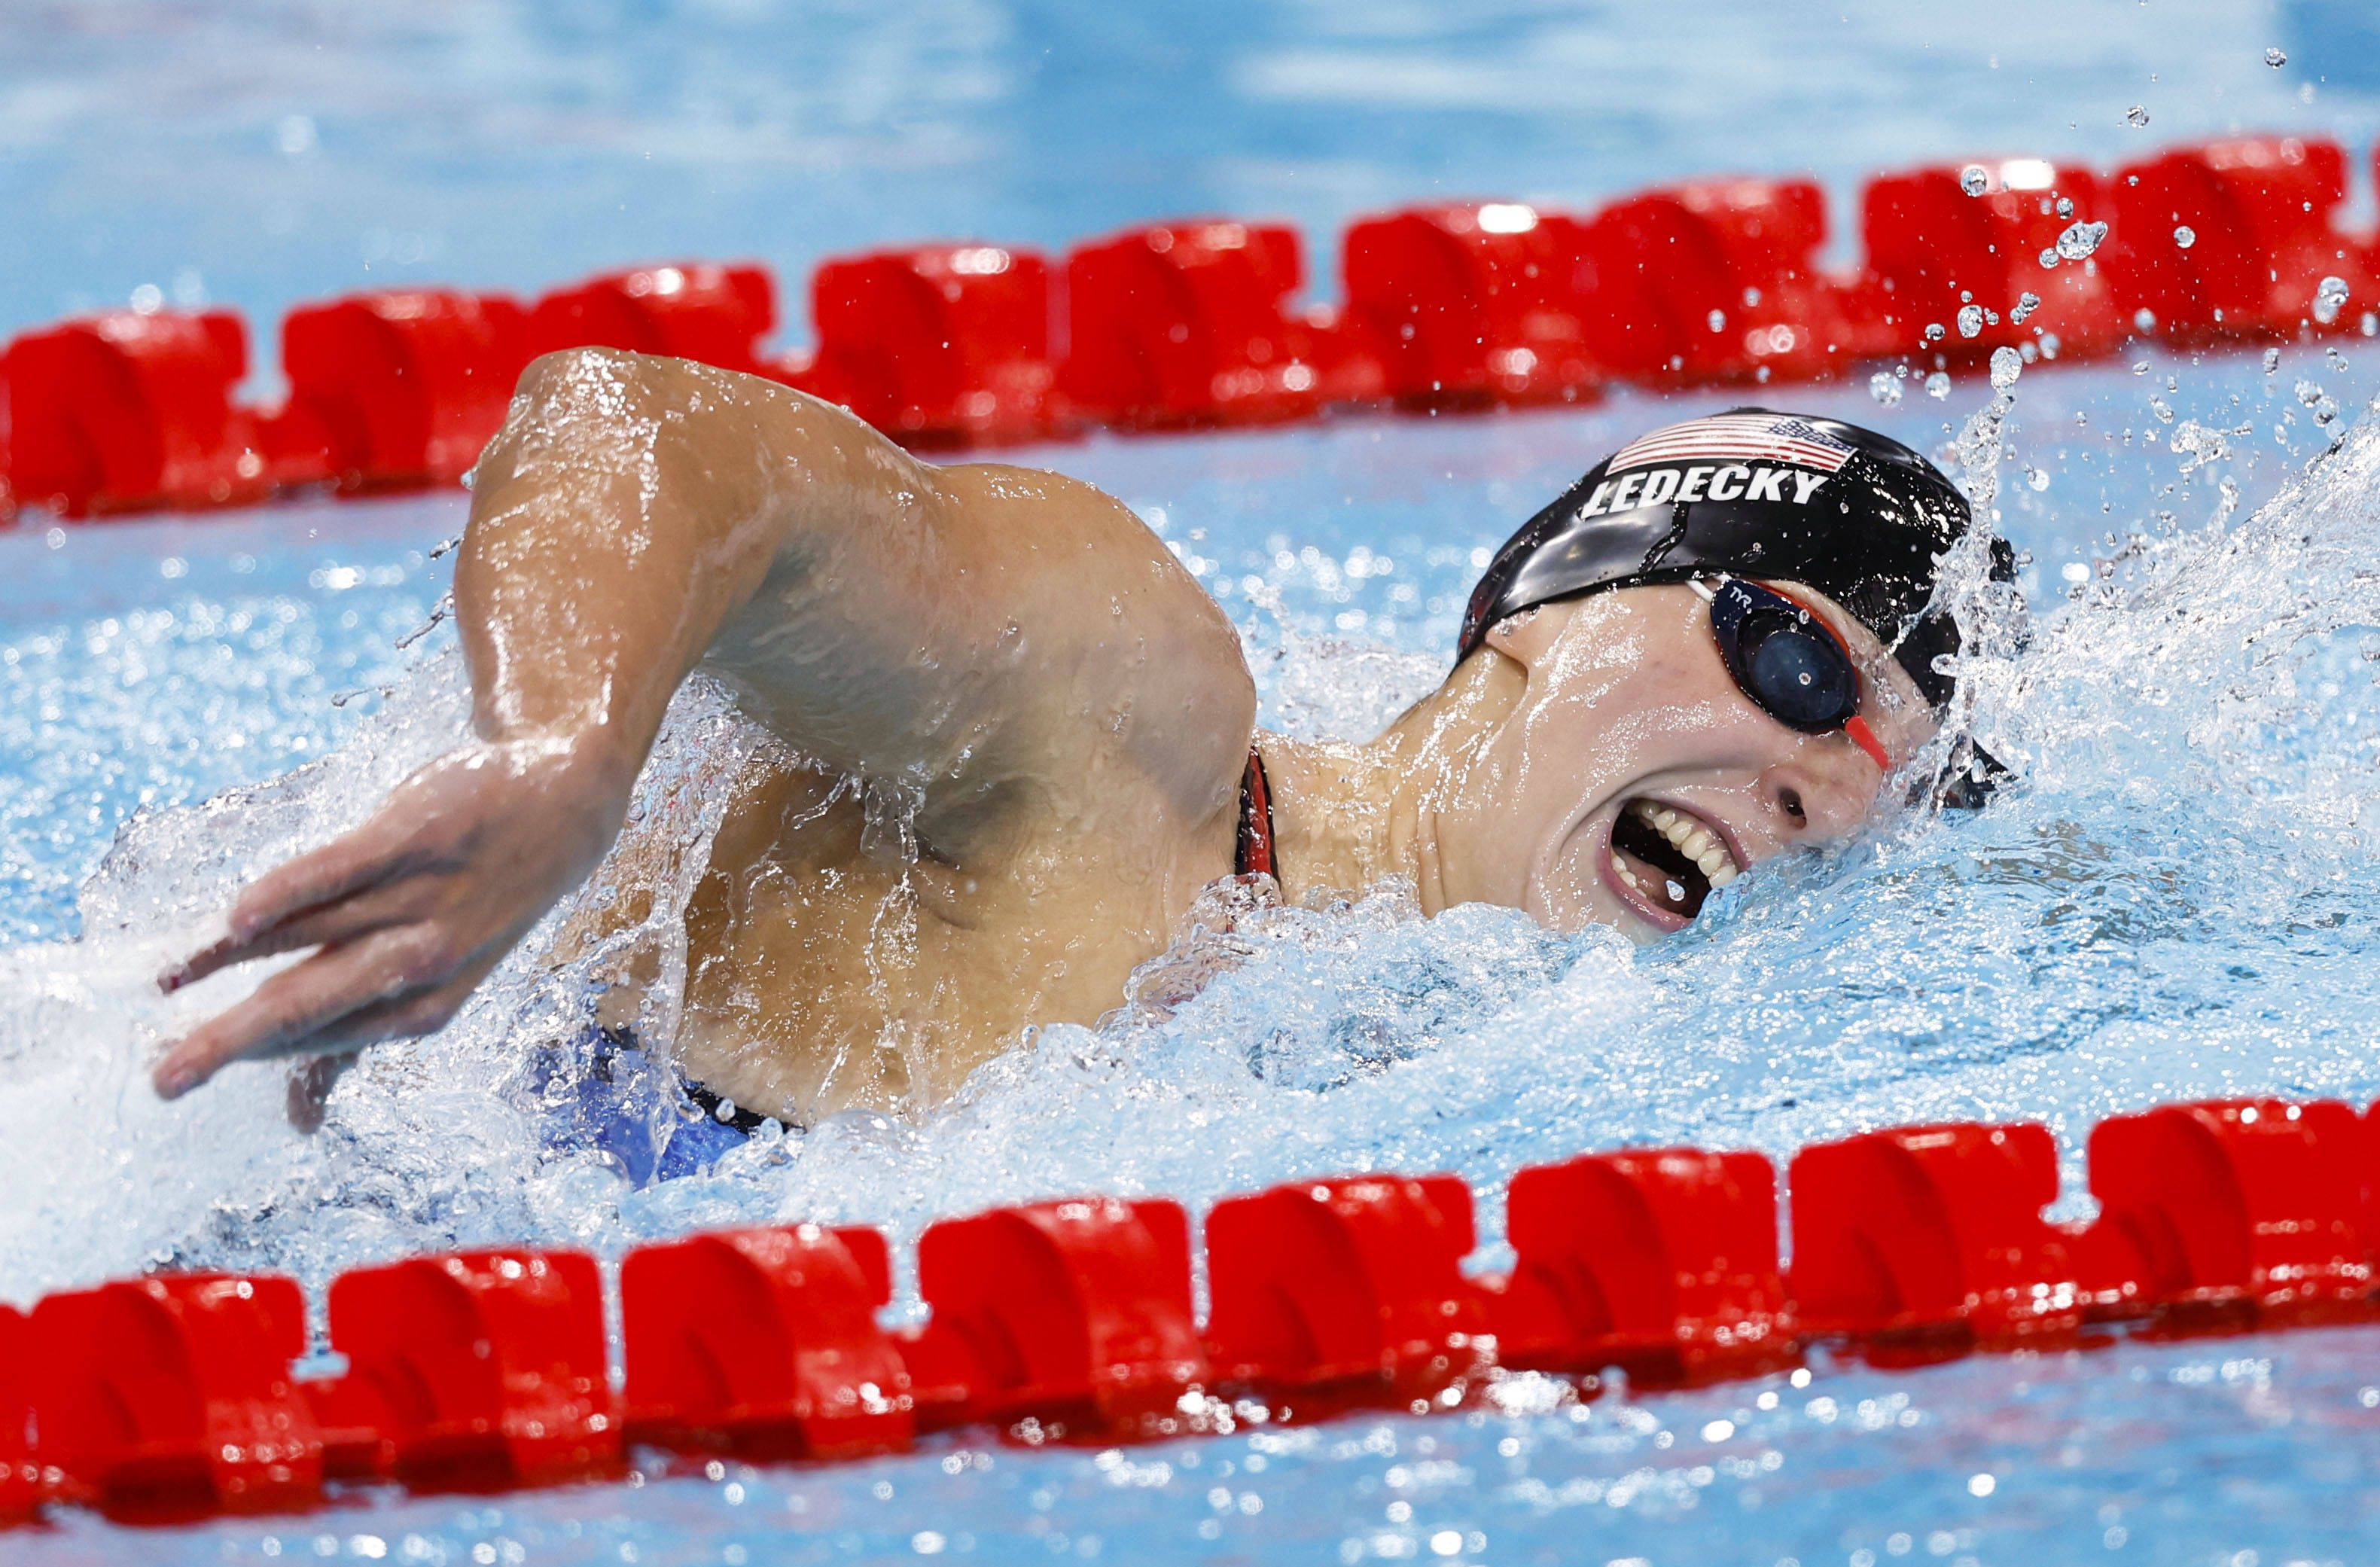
x=1864, y=737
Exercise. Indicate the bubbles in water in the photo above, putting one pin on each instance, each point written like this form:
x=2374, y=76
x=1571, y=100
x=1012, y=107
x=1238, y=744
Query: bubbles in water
x=1885, y=387
x=1974, y=179
x=2136, y=116
x=2080, y=239
x=2026, y=303
x=2007, y=365
x=2329, y=298
x=1937, y=386
x=2276, y=59
x=2194, y=446
x=2324, y=406
x=2185, y=236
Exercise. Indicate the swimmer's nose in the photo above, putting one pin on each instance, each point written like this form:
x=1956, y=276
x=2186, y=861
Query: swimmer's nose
x=1821, y=793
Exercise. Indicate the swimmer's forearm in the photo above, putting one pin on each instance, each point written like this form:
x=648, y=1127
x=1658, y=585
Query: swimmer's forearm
x=630, y=508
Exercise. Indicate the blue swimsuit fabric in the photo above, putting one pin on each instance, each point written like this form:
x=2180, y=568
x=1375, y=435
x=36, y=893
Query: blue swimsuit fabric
x=601, y=1094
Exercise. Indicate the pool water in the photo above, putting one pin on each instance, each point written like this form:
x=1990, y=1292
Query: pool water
x=2173, y=905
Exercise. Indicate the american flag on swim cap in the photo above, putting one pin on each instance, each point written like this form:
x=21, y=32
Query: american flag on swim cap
x=1736, y=438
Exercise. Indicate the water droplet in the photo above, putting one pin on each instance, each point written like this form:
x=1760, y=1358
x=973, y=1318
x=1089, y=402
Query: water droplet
x=2136, y=116
x=2329, y=296
x=1937, y=386
x=2037, y=477
x=2144, y=320
x=2276, y=59
x=2026, y=303
x=2066, y=206
x=1718, y=321
x=2080, y=238
x=2050, y=257
x=2007, y=365
x=2272, y=360
x=2185, y=235
x=1884, y=387
x=1934, y=333
x=1971, y=321
x=2163, y=410
x=1974, y=179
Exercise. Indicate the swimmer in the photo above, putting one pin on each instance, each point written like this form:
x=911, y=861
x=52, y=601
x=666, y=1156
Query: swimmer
x=1029, y=733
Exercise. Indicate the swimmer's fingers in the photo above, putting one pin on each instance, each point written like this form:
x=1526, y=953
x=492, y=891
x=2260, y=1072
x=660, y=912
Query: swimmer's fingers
x=359, y=914
x=403, y=973
x=310, y=1083
x=338, y=867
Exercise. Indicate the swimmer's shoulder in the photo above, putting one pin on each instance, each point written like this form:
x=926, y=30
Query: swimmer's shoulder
x=1150, y=659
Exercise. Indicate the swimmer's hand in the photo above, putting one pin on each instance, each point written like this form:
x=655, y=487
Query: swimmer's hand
x=408, y=912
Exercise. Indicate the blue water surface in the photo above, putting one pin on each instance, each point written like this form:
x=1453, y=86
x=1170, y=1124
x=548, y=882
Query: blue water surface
x=2175, y=902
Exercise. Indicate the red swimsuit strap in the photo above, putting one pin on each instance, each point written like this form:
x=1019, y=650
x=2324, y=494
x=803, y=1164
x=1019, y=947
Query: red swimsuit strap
x=1255, y=857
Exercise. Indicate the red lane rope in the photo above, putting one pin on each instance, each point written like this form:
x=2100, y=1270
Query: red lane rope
x=1187, y=324
x=1072, y=1320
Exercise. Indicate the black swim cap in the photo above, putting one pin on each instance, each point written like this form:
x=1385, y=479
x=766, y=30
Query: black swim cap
x=1790, y=497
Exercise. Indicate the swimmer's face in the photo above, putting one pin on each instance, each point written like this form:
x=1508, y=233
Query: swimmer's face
x=1632, y=777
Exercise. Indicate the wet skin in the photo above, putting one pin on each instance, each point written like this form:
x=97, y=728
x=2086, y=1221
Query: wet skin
x=1017, y=727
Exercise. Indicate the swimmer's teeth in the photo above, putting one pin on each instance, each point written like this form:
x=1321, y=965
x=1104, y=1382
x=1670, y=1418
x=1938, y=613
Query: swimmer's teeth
x=1691, y=839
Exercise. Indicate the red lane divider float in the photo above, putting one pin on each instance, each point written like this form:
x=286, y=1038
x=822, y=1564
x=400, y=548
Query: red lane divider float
x=401, y=389
x=475, y=1370
x=1924, y=1234
x=1716, y=282
x=1073, y=1319
x=1185, y=324
x=1663, y=1263
x=1936, y=248
x=1345, y=1291
x=2253, y=1208
x=688, y=311
x=764, y=1343
x=1471, y=305
x=2259, y=215
x=129, y=412
x=1073, y=1316
x=1182, y=324
x=21, y=1486
x=173, y=1393
x=938, y=345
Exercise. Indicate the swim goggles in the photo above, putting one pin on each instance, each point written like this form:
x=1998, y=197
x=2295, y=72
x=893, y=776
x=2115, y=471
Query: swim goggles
x=1798, y=670
x=1790, y=662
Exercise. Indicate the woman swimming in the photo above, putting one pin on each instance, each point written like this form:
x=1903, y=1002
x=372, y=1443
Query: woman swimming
x=1034, y=733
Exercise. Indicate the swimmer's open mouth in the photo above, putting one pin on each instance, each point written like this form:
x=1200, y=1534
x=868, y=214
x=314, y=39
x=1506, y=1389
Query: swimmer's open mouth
x=1665, y=861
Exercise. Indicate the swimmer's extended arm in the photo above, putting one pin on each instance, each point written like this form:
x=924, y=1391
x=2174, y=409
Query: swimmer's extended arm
x=945, y=629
